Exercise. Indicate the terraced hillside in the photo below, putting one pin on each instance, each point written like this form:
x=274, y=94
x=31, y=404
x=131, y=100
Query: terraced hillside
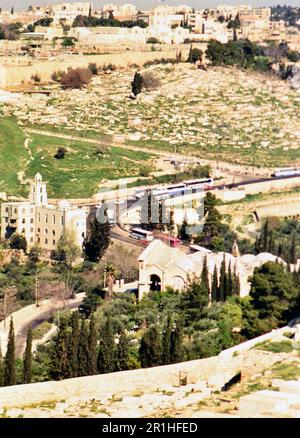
x=237, y=116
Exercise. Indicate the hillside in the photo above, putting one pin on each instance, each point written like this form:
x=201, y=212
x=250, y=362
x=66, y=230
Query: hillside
x=239, y=116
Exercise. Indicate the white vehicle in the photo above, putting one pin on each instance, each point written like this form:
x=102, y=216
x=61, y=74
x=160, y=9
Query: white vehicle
x=140, y=234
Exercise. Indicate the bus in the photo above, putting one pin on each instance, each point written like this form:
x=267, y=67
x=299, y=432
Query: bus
x=174, y=242
x=140, y=234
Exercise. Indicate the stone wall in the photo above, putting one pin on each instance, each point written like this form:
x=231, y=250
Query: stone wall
x=11, y=76
x=215, y=371
x=271, y=186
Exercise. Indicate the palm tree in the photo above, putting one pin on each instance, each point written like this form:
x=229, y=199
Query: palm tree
x=110, y=274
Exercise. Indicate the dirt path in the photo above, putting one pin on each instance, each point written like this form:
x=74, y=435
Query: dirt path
x=224, y=166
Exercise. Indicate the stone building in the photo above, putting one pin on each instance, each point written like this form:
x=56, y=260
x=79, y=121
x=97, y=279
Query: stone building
x=161, y=266
x=42, y=223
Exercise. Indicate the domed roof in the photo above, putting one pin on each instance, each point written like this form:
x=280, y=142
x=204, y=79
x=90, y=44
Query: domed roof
x=265, y=257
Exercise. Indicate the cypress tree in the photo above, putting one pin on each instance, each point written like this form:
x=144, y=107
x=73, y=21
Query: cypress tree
x=1, y=368
x=83, y=351
x=137, y=84
x=293, y=255
x=27, y=359
x=92, y=346
x=122, y=354
x=75, y=334
x=166, y=341
x=176, y=351
x=150, y=351
x=60, y=364
x=106, y=362
x=223, y=280
x=265, y=235
x=271, y=242
x=214, y=285
x=205, y=277
x=99, y=239
x=9, y=361
x=229, y=288
x=257, y=245
x=237, y=285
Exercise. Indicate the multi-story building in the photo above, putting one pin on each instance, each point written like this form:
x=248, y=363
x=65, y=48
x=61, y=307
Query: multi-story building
x=41, y=223
x=67, y=12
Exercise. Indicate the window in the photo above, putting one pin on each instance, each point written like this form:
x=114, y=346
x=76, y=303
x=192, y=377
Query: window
x=31, y=239
x=39, y=240
x=54, y=219
x=82, y=234
x=31, y=230
x=39, y=217
x=46, y=230
x=53, y=232
x=23, y=221
x=31, y=220
x=62, y=220
x=23, y=231
x=46, y=241
x=53, y=241
x=46, y=218
x=6, y=209
x=39, y=230
x=16, y=210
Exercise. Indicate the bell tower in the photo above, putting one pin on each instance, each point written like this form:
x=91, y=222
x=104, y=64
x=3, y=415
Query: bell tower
x=38, y=192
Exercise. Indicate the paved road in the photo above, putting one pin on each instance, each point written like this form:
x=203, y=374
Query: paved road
x=21, y=335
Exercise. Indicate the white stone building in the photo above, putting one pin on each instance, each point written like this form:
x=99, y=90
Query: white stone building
x=161, y=266
x=41, y=223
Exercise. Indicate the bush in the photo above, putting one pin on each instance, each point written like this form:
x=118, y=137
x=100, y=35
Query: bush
x=60, y=153
x=144, y=171
x=76, y=78
x=36, y=78
x=149, y=81
x=153, y=40
x=93, y=67
x=57, y=75
x=18, y=242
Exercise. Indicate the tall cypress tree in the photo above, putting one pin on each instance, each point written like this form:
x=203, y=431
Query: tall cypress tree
x=92, y=346
x=214, y=285
x=176, y=352
x=60, y=364
x=229, y=288
x=205, y=277
x=99, y=239
x=9, y=361
x=265, y=235
x=223, y=280
x=27, y=359
x=150, y=351
x=106, y=361
x=1, y=368
x=166, y=341
x=122, y=354
x=83, y=351
x=293, y=255
x=74, y=342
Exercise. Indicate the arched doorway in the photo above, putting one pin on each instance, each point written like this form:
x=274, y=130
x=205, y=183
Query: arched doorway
x=155, y=283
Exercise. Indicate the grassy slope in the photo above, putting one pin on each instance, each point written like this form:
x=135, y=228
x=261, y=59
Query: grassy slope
x=80, y=172
x=77, y=175
x=13, y=156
